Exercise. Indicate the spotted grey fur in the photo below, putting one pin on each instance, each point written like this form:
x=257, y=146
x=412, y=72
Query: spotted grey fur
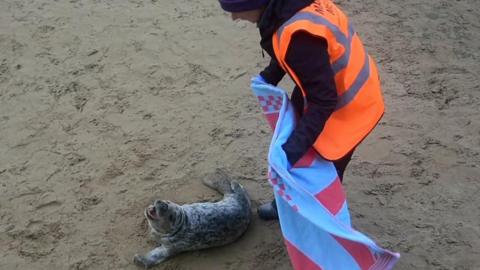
x=179, y=228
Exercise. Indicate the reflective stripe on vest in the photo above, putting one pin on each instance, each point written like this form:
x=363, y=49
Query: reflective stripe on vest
x=340, y=63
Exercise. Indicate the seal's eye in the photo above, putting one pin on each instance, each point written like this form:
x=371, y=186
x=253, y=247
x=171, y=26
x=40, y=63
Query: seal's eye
x=170, y=218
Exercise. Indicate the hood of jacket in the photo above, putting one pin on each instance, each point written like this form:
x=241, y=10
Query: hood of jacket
x=275, y=14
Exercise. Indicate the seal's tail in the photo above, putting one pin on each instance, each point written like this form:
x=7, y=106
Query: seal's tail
x=220, y=181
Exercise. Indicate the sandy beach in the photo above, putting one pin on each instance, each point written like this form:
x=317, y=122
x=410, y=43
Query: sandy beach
x=108, y=105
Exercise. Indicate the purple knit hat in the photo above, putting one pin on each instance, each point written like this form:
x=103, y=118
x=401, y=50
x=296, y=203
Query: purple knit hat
x=242, y=5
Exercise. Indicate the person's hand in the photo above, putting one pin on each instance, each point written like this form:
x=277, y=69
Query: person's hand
x=293, y=153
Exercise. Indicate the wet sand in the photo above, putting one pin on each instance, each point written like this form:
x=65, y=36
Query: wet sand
x=107, y=105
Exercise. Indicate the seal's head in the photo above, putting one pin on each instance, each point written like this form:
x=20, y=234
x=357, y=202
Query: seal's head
x=162, y=216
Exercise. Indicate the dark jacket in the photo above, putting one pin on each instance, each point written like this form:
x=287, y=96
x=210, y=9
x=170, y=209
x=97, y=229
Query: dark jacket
x=308, y=57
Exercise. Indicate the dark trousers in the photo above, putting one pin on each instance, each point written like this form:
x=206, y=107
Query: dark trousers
x=341, y=164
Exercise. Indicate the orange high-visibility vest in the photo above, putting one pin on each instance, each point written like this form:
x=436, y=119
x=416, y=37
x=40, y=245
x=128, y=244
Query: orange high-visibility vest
x=360, y=104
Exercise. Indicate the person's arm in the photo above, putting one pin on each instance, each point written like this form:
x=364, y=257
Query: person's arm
x=308, y=57
x=273, y=73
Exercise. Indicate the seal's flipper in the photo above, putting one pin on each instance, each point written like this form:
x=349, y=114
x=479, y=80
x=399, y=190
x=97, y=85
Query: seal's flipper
x=236, y=187
x=153, y=257
x=239, y=190
x=219, y=181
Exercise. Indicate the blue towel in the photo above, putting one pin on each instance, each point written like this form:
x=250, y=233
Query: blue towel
x=311, y=203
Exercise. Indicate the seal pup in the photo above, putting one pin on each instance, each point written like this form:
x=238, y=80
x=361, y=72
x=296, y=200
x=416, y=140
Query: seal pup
x=178, y=228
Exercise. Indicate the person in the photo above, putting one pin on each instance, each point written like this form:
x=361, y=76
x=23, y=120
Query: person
x=337, y=95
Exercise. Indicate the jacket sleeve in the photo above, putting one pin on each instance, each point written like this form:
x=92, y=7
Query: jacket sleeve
x=273, y=73
x=308, y=57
